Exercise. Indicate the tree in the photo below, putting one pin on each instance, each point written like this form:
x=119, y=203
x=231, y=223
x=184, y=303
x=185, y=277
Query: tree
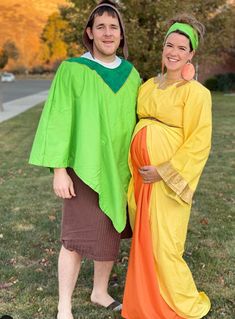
x=3, y=58
x=53, y=46
x=146, y=27
x=9, y=51
x=12, y=51
x=3, y=62
x=76, y=17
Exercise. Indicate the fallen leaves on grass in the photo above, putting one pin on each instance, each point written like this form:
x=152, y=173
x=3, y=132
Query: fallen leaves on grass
x=39, y=270
x=6, y=285
x=12, y=261
x=52, y=218
x=124, y=259
x=204, y=221
x=50, y=251
x=44, y=262
x=202, y=265
x=221, y=281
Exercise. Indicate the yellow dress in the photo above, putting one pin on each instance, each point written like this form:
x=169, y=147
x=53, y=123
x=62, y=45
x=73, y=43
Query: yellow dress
x=173, y=134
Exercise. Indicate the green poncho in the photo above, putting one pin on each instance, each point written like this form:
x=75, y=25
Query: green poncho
x=86, y=124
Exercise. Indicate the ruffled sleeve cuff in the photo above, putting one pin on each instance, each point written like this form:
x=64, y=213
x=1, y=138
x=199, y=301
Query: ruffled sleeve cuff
x=175, y=181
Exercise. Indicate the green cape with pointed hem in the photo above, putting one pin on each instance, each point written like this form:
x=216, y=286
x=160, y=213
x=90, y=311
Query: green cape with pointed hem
x=86, y=124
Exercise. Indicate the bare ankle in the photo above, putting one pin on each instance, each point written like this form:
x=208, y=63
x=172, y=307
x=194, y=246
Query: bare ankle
x=101, y=298
x=64, y=307
x=64, y=314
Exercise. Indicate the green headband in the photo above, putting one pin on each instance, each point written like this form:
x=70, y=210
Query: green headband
x=187, y=30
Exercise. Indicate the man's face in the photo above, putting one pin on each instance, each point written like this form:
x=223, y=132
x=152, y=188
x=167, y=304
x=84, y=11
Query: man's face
x=106, y=36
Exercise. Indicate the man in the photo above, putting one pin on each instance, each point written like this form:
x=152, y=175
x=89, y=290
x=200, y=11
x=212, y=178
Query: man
x=84, y=135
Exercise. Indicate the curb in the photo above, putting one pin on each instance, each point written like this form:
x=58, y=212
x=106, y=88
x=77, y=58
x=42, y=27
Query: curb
x=15, y=107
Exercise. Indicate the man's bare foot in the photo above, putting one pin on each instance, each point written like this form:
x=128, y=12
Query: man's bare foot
x=106, y=301
x=64, y=315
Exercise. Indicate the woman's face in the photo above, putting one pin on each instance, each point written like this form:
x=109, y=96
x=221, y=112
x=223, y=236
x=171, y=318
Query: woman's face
x=176, y=52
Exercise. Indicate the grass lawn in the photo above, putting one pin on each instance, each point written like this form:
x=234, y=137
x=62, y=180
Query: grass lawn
x=30, y=226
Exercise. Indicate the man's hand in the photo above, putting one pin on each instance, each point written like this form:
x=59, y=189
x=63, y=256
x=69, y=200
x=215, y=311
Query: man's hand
x=149, y=174
x=62, y=184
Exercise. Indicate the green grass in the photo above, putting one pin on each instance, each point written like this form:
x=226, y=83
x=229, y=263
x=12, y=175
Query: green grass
x=30, y=226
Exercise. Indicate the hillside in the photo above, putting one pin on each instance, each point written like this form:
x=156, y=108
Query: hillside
x=22, y=22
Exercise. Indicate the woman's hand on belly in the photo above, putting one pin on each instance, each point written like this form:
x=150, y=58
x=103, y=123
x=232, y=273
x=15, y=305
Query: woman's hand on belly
x=149, y=174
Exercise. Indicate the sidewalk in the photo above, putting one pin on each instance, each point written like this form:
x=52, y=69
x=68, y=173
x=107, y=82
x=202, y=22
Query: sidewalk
x=18, y=106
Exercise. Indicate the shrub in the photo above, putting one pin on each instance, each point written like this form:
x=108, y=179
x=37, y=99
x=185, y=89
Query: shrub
x=19, y=69
x=212, y=84
x=221, y=82
x=38, y=69
x=226, y=82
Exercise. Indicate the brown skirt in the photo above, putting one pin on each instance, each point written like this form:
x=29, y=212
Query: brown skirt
x=85, y=228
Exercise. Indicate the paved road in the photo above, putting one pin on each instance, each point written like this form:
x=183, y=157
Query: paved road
x=21, y=88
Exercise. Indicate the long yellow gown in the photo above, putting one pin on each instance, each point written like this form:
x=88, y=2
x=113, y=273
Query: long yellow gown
x=173, y=134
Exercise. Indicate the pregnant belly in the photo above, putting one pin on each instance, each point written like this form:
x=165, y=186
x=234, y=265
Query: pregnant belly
x=161, y=141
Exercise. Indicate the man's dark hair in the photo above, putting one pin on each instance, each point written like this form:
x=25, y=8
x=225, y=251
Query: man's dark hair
x=100, y=11
x=112, y=9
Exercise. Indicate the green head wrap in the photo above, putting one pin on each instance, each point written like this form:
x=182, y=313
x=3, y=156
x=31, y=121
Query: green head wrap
x=187, y=30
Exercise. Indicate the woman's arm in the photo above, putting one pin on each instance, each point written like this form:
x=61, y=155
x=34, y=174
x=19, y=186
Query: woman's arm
x=183, y=171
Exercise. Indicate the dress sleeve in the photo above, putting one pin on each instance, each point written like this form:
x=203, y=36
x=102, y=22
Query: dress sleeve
x=183, y=171
x=52, y=140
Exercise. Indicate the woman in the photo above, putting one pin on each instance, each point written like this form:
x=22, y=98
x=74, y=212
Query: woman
x=169, y=149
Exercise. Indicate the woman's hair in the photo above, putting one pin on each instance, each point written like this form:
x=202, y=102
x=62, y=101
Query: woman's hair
x=191, y=20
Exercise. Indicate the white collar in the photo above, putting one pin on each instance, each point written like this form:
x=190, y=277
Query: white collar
x=110, y=65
